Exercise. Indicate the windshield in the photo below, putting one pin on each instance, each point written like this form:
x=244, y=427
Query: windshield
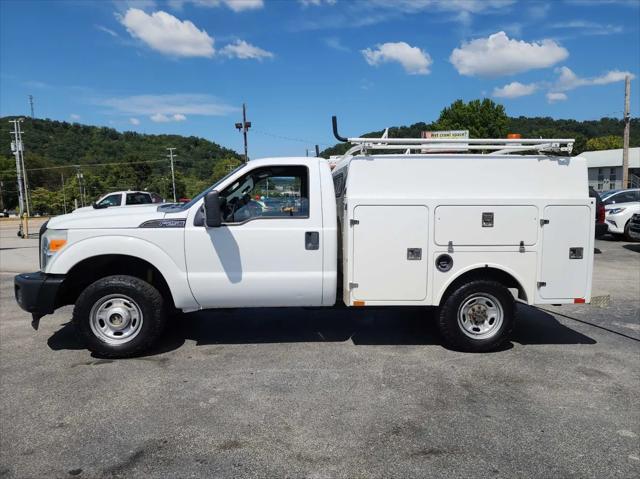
x=186, y=206
x=609, y=193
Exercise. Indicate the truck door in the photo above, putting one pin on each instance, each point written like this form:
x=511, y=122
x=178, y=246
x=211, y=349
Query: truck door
x=565, y=252
x=390, y=253
x=268, y=251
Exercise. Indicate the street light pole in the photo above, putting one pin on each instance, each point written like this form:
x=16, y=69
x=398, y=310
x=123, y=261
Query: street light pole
x=244, y=128
x=625, y=138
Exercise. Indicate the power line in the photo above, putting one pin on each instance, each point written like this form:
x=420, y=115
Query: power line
x=90, y=165
x=300, y=140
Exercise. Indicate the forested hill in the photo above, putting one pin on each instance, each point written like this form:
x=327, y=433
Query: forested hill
x=486, y=119
x=109, y=160
x=55, y=143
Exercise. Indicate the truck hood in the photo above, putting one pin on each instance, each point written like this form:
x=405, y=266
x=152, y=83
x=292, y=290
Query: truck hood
x=106, y=218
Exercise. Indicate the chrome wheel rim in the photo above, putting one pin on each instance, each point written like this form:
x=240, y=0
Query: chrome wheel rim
x=115, y=319
x=480, y=316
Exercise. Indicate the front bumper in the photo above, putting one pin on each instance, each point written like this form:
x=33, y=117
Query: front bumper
x=37, y=293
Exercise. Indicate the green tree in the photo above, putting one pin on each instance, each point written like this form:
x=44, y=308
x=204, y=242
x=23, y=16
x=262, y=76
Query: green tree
x=483, y=118
x=45, y=202
x=604, y=143
x=224, y=166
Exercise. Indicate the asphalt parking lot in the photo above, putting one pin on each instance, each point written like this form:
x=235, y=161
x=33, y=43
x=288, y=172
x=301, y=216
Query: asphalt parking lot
x=335, y=393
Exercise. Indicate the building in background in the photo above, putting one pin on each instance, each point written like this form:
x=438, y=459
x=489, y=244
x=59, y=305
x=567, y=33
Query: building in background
x=605, y=169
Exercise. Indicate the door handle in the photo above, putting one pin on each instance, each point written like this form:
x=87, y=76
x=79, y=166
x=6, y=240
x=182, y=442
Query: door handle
x=312, y=240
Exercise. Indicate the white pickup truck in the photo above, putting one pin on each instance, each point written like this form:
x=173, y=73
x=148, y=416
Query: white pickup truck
x=468, y=233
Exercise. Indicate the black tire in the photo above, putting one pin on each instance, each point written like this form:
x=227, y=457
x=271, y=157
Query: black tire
x=145, y=297
x=453, y=333
x=626, y=234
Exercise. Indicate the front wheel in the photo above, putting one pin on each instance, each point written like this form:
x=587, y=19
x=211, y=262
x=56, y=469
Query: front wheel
x=477, y=316
x=119, y=316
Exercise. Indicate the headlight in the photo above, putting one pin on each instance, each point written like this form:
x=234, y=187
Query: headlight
x=51, y=242
x=615, y=211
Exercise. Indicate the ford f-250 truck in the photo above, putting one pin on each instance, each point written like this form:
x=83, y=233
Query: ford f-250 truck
x=436, y=225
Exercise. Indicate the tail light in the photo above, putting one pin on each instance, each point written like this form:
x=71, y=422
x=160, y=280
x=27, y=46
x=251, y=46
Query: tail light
x=600, y=213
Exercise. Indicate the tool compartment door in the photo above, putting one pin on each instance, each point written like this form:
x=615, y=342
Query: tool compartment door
x=565, y=275
x=390, y=253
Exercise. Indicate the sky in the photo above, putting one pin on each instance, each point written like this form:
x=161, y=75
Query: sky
x=186, y=66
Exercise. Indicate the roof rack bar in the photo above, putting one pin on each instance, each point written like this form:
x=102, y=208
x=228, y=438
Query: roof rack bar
x=511, y=148
x=464, y=141
x=498, y=146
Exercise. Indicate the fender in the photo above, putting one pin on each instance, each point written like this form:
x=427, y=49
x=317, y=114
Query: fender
x=174, y=275
x=480, y=267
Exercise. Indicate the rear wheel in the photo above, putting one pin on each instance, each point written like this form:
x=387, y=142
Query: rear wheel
x=477, y=316
x=119, y=316
x=626, y=234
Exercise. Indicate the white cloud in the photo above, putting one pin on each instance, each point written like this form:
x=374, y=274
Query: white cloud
x=235, y=5
x=134, y=121
x=159, y=118
x=168, y=105
x=336, y=44
x=538, y=11
x=568, y=80
x=499, y=55
x=353, y=14
x=316, y=3
x=167, y=34
x=106, y=30
x=471, y=6
x=244, y=51
x=162, y=118
x=585, y=27
x=553, y=97
x=514, y=90
x=414, y=60
x=74, y=116
x=241, y=5
x=124, y=5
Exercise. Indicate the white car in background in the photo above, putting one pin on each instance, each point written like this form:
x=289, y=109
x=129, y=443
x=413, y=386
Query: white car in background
x=620, y=206
x=124, y=198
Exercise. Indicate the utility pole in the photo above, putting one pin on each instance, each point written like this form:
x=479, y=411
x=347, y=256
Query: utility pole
x=317, y=152
x=244, y=128
x=1, y=195
x=80, y=178
x=173, y=177
x=15, y=148
x=31, y=105
x=627, y=124
x=64, y=195
x=25, y=180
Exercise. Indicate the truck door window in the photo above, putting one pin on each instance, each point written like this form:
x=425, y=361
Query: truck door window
x=270, y=192
x=138, y=198
x=111, y=200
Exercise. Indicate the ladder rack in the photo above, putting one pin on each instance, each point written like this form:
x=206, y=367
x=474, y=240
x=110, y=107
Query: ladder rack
x=497, y=146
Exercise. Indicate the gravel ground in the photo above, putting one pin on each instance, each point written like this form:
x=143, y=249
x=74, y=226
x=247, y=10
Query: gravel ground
x=335, y=393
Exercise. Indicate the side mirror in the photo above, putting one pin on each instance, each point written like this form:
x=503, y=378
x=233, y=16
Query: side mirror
x=212, y=212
